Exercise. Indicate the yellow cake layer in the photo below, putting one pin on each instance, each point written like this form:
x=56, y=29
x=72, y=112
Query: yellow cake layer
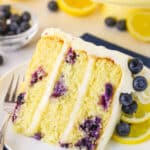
x=56, y=117
x=45, y=56
x=104, y=71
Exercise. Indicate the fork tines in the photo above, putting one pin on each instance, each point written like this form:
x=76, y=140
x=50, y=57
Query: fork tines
x=10, y=96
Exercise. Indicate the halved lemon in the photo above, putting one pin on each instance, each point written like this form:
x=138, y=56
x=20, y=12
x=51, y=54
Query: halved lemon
x=77, y=7
x=142, y=114
x=138, y=134
x=138, y=24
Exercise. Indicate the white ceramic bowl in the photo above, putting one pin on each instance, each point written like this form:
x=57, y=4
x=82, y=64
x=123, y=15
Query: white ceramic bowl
x=14, y=42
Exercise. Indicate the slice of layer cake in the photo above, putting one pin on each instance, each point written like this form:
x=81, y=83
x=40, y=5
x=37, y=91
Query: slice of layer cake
x=70, y=96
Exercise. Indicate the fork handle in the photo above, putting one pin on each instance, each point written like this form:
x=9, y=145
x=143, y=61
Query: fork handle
x=3, y=131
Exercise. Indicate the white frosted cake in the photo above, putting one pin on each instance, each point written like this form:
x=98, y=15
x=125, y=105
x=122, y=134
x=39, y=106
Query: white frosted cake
x=70, y=96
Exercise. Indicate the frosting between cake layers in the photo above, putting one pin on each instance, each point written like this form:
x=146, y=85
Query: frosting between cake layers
x=82, y=91
x=44, y=101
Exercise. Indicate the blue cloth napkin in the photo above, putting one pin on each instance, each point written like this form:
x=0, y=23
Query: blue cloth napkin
x=91, y=38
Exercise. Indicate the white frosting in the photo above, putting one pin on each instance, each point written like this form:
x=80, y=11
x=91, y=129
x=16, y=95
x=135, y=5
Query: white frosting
x=144, y=96
x=91, y=49
x=45, y=99
x=82, y=90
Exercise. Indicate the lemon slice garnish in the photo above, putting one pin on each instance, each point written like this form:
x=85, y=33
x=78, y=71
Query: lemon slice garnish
x=138, y=24
x=77, y=7
x=138, y=134
x=142, y=114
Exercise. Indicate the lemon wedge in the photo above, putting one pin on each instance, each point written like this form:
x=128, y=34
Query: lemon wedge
x=77, y=7
x=138, y=134
x=138, y=24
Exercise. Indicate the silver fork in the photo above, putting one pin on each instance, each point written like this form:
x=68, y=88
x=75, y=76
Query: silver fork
x=9, y=103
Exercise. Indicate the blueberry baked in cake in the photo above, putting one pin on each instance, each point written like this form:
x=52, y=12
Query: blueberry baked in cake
x=71, y=93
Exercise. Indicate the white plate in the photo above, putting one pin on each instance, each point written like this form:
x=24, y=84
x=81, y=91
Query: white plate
x=18, y=142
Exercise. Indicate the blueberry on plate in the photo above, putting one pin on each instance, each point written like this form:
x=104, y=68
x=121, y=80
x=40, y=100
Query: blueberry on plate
x=15, y=18
x=123, y=129
x=121, y=25
x=53, y=6
x=130, y=109
x=125, y=99
x=110, y=21
x=135, y=65
x=1, y=60
x=26, y=16
x=140, y=83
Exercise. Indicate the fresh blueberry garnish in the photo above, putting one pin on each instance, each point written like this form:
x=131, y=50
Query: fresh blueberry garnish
x=13, y=27
x=110, y=21
x=5, y=11
x=71, y=57
x=130, y=109
x=5, y=8
x=37, y=136
x=1, y=60
x=140, y=83
x=26, y=16
x=16, y=18
x=126, y=99
x=12, y=24
x=5, y=14
x=23, y=27
x=59, y=89
x=53, y=6
x=3, y=27
x=123, y=129
x=121, y=25
x=135, y=65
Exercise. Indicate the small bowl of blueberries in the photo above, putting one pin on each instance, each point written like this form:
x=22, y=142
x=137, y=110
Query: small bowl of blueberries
x=18, y=26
